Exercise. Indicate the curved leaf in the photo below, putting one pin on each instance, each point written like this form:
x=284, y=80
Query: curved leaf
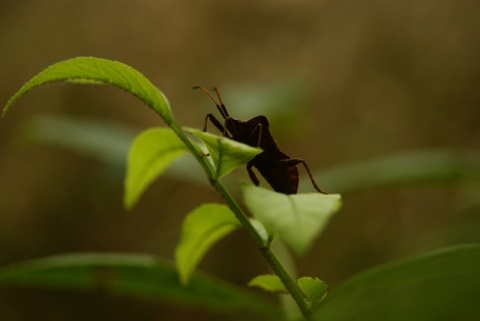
x=139, y=276
x=201, y=229
x=151, y=153
x=90, y=70
x=268, y=282
x=227, y=154
x=442, y=285
x=296, y=219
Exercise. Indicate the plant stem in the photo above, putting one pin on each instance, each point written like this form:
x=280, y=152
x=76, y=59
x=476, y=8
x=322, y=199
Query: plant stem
x=268, y=254
x=289, y=283
x=263, y=245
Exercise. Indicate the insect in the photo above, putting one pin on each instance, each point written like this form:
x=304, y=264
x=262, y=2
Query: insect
x=278, y=169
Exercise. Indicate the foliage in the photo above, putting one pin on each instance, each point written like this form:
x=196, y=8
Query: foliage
x=151, y=153
x=135, y=275
x=202, y=228
x=410, y=288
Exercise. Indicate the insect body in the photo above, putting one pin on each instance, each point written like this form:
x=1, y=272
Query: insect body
x=278, y=169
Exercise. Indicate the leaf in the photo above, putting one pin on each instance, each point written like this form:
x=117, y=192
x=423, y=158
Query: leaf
x=268, y=282
x=296, y=219
x=227, y=154
x=151, y=153
x=441, y=285
x=201, y=229
x=315, y=290
x=412, y=167
x=100, y=139
x=131, y=275
x=90, y=70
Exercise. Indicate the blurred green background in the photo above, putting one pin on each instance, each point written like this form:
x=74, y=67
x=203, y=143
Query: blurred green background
x=342, y=82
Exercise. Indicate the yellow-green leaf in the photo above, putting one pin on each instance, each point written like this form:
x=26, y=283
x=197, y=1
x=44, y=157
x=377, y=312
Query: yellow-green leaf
x=296, y=219
x=90, y=70
x=315, y=290
x=150, y=155
x=226, y=154
x=201, y=229
x=268, y=282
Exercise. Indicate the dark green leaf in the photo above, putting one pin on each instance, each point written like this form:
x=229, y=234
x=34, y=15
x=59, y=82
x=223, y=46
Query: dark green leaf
x=140, y=276
x=101, y=139
x=442, y=285
x=403, y=169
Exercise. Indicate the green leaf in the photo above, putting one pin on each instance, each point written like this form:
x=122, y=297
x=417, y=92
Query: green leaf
x=296, y=219
x=138, y=276
x=100, y=139
x=407, y=168
x=227, y=154
x=201, y=229
x=268, y=282
x=441, y=285
x=90, y=70
x=151, y=153
x=315, y=290
x=103, y=140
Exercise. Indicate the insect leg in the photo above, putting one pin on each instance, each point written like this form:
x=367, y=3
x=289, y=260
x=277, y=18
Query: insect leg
x=257, y=129
x=296, y=161
x=216, y=123
x=251, y=173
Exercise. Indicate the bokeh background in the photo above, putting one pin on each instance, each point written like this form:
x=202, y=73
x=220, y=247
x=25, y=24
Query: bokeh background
x=342, y=82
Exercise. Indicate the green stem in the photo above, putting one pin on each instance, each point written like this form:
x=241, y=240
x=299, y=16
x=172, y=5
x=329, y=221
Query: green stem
x=268, y=254
x=289, y=283
x=263, y=245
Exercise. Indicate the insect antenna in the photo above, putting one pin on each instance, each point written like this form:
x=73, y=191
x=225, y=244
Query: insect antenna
x=221, y=108
x=225, y=112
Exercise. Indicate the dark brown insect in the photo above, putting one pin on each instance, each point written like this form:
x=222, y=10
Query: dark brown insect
x=278, y=169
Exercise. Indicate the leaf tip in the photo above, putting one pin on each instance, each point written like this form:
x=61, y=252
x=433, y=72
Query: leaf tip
x=128, y=203
x=9, y=104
